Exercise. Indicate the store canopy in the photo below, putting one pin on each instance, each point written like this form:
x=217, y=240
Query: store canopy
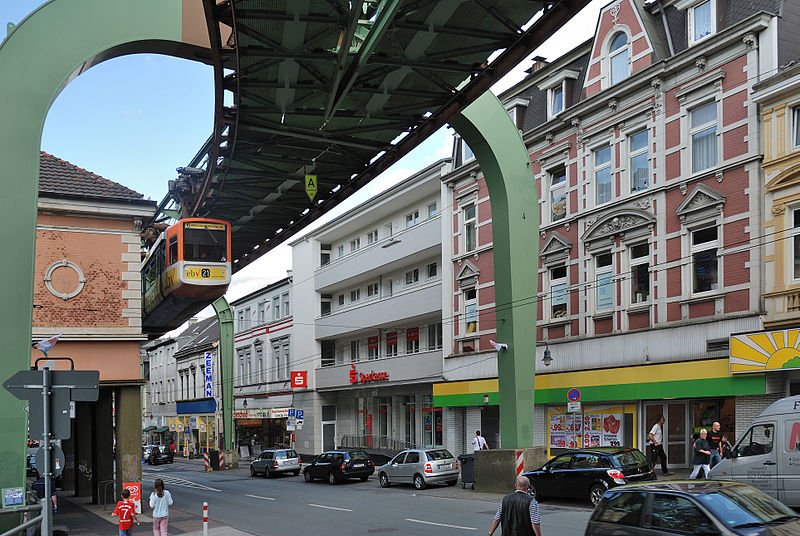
x=148, y=428
x=162, y=429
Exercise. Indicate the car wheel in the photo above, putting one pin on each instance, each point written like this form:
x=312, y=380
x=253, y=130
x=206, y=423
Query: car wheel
x=267, y=473
x=364, y=478
x=383, y=478
x=452, y=482
x=295, y=473
x=252, y=471
x=596, y=493
x=307, y=476
x=419, y=482
x=534, y=493
x=331, y=479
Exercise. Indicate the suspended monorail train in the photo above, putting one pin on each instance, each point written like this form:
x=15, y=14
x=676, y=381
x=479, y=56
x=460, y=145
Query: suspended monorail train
x=187, y=268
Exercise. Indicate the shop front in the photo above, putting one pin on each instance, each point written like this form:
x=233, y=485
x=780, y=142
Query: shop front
x=261, y=428
x=618, y=406
x=196, y=427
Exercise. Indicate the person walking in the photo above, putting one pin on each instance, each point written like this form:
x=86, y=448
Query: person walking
x=160, y=501
x=702, y=455
x=518, y=512
x=714, y=439
x=479, y=442
x=657, y=453
x=126, y=511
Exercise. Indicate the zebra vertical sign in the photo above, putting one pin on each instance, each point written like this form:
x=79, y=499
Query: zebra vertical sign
x=209, y=375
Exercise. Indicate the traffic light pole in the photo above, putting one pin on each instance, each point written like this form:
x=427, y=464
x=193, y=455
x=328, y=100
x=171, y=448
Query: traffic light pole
x=47, y=508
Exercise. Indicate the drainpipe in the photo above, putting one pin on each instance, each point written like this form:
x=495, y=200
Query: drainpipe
x=666, y=28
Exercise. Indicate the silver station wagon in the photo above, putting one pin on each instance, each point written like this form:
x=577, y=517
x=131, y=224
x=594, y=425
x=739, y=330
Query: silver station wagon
x=275, y=461
x=420, y=467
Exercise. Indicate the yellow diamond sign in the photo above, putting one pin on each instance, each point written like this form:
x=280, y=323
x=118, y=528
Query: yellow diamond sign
x=311, y=186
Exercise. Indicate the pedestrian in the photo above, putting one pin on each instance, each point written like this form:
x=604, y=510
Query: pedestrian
x=725, y=447
x=479, y=442
x=656, y=446
x=38, y=487
x=715, y=444
x=126, y=511
x=702, y=455
x=160, y=501
x=518, y=512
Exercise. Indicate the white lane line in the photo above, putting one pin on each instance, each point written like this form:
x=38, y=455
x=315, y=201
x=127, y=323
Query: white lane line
x=259, y=497
x=330, y=507
x=440, y=524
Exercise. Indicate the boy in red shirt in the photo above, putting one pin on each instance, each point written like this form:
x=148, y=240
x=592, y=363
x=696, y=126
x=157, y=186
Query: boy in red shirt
x=126, y=510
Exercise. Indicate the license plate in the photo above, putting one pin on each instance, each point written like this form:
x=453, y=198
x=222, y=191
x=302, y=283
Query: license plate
x=358, y=465
x=446, y=466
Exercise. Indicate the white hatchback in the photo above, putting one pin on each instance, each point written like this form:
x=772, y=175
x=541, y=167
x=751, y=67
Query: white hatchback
x=420, y=467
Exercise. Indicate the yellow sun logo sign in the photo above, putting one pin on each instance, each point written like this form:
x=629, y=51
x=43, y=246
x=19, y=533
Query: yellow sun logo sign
x=765, y=351
x=311, y=186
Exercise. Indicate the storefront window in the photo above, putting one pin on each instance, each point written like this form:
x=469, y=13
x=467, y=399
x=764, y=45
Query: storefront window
x=410, y=420
x=431, y=423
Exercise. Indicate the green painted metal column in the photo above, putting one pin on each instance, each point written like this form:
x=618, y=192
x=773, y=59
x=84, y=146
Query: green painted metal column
x=225, y=348
x=39, y=57
x=487, y=128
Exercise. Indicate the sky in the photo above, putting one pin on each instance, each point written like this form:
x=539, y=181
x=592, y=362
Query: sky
x=135, y=119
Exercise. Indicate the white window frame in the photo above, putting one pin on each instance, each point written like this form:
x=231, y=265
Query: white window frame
x=634, y=263
x=794, y=244
x=558, y=292
x=433, y=210
x=612, y=54
x=276, y=308
x=470, y=300
x=467, y=155
x=552, y=109
x=372, y=236
x=795, y=127
x=286, y=304
x=372, y=290
x=635, y=154
x=693, y=131
x=598, y=168
x=355, y=295
x=690, y=18
x=412, y=276
x=340, y=251
x=340, y=300
x=412, y=219
x=412, y=347
x=355, y=355
x=469, y=225
x=262, y=312
x=355, y=244
x=435, y=336
x=605, y=273
x=554, y=188
x=701, y=247
x=432, y=270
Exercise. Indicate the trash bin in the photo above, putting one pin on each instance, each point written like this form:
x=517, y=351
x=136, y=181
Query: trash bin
x=467, y=462
x=213, y=459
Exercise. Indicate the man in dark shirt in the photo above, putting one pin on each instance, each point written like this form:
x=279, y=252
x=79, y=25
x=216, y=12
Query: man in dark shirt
x=714, y=439
x=518, y=512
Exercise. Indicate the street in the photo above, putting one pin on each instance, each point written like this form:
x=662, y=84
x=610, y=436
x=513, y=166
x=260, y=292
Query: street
x=290, y=506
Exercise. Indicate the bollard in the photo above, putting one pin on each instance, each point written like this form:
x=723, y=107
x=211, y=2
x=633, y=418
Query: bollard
x=207, y=461
x=520, y=463
x=221, y=460
x=205, y=519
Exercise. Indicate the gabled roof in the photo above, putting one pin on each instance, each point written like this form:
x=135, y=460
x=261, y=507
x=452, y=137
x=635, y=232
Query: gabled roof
x=62, y=178
x=203, y=335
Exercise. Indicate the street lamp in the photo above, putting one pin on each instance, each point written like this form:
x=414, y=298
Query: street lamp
x=547, y=358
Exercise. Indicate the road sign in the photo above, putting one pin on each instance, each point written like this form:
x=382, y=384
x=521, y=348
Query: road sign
x=291, y=413
x=573, y=407
x=298, y=424
x=574, y=394
x=56, y=458
x=311, y=186
x=291, y=425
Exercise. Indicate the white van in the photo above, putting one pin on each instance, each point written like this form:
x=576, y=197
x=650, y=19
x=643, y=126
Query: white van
x=767, y=456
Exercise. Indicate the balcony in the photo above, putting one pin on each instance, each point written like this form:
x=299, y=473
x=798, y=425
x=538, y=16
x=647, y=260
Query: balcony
x=409, y=246
x=422, y=367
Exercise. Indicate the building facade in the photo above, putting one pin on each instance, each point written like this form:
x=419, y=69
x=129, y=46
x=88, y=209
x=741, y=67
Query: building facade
x=368, y=323
x=645, y=152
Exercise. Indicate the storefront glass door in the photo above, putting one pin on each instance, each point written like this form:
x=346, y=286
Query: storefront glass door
x=675, y=431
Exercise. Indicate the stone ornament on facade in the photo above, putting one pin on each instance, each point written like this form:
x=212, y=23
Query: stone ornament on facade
x=778, y=210
x=468, y=276
x=658, y=95
x=702, y=199
x=700, y=63
x=750, y=40
x=614, y=12
x=67, y=265
x=613, y=104
x=618, y=223
x=555, y=249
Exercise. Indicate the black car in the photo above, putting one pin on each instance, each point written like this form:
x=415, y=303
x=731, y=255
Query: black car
x=588, y=473
x=30, y=469
x=337, y=465
x=691, y=507
x=160, y=454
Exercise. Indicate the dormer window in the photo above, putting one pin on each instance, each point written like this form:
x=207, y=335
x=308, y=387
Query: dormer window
x=702, y=21
x=619, y=58
x=559, y=87
x=557, y=100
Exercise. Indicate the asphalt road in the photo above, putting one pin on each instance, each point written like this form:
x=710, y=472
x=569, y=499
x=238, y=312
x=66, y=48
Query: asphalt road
x=288, y=505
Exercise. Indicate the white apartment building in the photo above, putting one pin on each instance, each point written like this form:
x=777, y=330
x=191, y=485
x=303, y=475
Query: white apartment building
x=368, y=321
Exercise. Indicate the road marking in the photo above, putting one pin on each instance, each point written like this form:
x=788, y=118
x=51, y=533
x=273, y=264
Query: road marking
x=177, y=481
x=331, y=507
x=440, y=524
x=259, y=497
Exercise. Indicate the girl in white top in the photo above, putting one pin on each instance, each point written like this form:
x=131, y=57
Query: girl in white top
x=160, y=501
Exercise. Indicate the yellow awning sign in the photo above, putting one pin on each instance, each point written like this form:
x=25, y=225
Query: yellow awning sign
x=765, y=351
x=311, y=186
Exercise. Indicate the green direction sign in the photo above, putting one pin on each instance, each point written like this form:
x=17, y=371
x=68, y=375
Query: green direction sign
x=311, y=186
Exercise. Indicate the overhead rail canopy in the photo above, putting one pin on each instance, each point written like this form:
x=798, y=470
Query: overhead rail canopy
x=340, y=90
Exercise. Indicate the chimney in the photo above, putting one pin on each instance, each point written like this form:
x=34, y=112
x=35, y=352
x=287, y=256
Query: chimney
x=539, y=63
x=192, y=321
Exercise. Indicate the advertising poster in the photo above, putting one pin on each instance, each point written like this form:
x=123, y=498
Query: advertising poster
x=136, y=494
x=575, y=431
x=612, y=430
x=592, y=430
x=601, y=425
x=558, y=435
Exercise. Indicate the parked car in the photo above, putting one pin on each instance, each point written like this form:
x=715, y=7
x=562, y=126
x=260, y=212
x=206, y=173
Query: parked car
x=766, y=455
x=588, y=473
x=691, y=507
x=337, y=465
x=160, y=454
x=274, y=461
x=420, y=467
x=30, y=469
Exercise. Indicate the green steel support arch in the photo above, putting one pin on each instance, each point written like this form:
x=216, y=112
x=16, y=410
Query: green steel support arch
x=225, y=348
x=40, y=56
x=487, y=128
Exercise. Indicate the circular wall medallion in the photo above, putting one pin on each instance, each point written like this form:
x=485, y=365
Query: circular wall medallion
x=64, y=279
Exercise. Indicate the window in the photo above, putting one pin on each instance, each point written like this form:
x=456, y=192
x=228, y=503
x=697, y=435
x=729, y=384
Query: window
x=758, y=440
x=372, y=236
x=618, y=50
x=340, y=250
x=796, y=126
x=703, y=131
x=355, y=295
x=796, y=243
x=412, y=276
x=470, y=227
x=240, y=320
x=466, y=152
x=640, y=273
x=324, y=254
x=602, y=174
x=556, y=101
x=328, y=351
x=679, y=514
x=558, y=194
x=412, y=340
x=702, y=21
x=355, y=244
x=262, y=312
x=259, y=363
x=432, y=270
x=604, y=284
x=280, y=353
x=639, y=167
x=276, y=307
x=433, y=210
x=324, y=304
x=435, y=336
x=391, y=344
x=354, y=351
x=412, y=219
x=705, y=264
x=341, y=299
x=372, y=348
x=285, y=298
x=558, y=292
x=621, y=508
x=388, y=228
x=470, y=311
x=372, y=289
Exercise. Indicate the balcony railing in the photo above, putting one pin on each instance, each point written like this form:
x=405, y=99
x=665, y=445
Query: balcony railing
x=793, y=302
x=375, y=442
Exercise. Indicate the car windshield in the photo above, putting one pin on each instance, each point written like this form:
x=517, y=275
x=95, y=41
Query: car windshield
x=630, y=458
x=744, y=506
x=359, y=455
x=438, y=454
